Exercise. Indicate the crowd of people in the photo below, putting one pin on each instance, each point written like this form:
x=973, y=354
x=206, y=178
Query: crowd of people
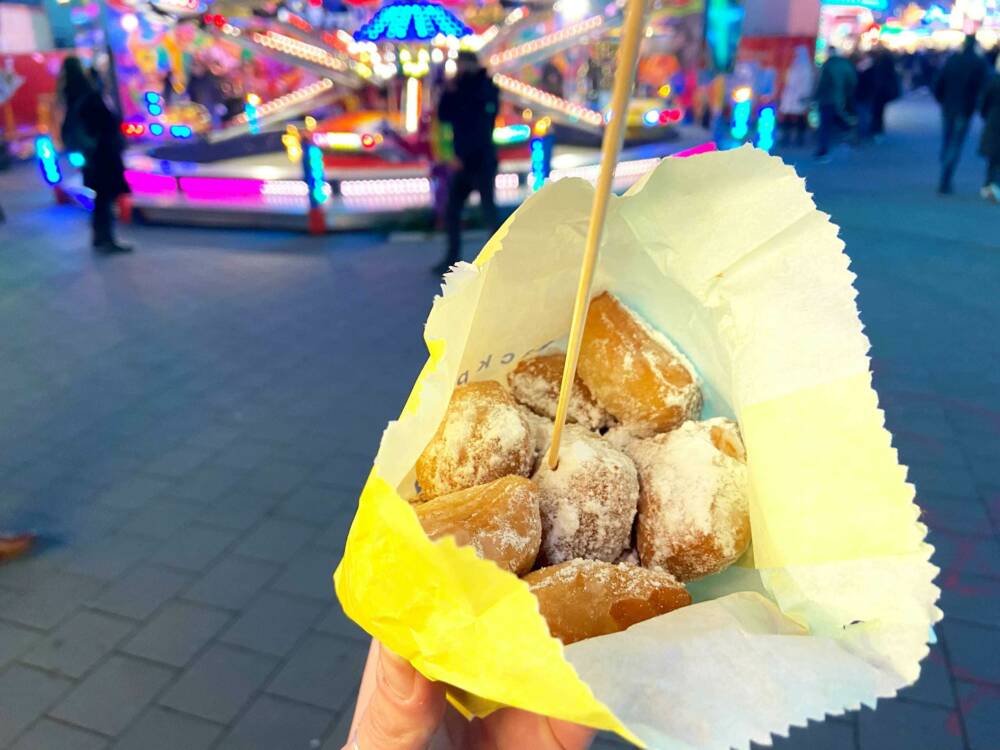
x=850, y=96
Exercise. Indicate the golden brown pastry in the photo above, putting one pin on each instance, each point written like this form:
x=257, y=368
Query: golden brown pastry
x=500, y=520
x=588, y=503
x=535, y=383
x=694, y=517
x=482, y=437
x=585, y=598
x=634, y=372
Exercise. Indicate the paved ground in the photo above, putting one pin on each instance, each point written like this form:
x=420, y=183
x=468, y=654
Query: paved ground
x=189, y=428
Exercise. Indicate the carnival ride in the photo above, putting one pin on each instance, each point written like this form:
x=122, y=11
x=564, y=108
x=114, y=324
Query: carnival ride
x=326, y=129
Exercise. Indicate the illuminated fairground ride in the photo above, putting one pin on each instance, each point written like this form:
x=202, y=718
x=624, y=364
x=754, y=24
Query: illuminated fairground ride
x=302, y=115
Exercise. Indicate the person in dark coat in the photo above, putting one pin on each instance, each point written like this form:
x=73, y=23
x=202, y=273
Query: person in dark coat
x=835, y=92
x=885, y=88
x=469, y=104
x=91, y=128
x=957, y=91
x=989, y=144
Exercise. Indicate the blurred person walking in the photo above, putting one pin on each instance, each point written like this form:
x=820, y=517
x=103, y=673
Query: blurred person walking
x=957, y=91
x=989, y=144
x=93, y=130
x=794, y=103
x=469, y=104
x=835, y=91
x=886, y=88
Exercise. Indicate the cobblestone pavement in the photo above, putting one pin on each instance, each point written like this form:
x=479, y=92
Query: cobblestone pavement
x=189, y=427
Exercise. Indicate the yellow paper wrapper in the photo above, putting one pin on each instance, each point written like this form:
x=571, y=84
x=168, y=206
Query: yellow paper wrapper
x=726, y=254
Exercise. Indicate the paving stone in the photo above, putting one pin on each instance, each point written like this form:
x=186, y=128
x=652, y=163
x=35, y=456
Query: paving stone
x=246, y=454
x=15, y=640
x=321, y=671
x=817, y=735
x=237, y=510
x=897, y=723
x=51, y=735
x=974, y=651
x=139, y=593
x=310, y=574
x=194, y=547
x=273, y=623
x=134, y=492
x=179, y=461
x=25, y=694
x=963, y=515
x=276, y=540
x=313, y=503
x=970, y=597
x=113, y=695
x=78, y=644
x=966, y=553
x=232, y=582
x=335, y=622
x=207, y=484
x=980, y=715
x=219, y=683
x=934, y=685
x=110, y=556
x=161, y=518
x=176, y=633
x=341, y=729
x=272, y=723
x=48, y=602
x=163, y=729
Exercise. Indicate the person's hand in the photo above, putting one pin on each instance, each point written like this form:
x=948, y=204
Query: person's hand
x=400, y=709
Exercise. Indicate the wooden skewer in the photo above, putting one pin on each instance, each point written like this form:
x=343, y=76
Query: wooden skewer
x=613, y=134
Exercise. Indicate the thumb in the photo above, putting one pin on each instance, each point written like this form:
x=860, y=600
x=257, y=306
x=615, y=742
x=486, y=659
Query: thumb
x=405, y=709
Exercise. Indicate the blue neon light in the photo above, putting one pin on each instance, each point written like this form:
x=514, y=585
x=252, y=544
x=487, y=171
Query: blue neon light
x=156, y=129
x=651, y=117
x=180, y=131
x=76, y=159
x=155, y=110
x=537, y=163
x=314, y=175
x=765, y=128
x=152, y=97
x=410, y=21
x=741, y=120
x=48, y=160
x=250, y=110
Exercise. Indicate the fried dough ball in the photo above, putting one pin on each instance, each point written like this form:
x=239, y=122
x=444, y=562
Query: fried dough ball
x=634, y=372
x=481, y=438
x=588, y=503
x=541, y=435
x=694, y=517
x=535, y=383
x=500, y=520
x=586, y=598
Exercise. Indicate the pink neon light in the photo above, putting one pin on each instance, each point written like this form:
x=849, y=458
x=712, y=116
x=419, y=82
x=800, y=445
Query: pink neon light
x=703, y=148
x=219, y=188
x=148, y=183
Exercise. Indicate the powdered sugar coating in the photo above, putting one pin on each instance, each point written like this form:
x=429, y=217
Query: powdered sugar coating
x=541, y=434
x=635, y=373
x=500, y=520
x=693, y=505
x=535, y=383
x=588, y=503
x=483, y=437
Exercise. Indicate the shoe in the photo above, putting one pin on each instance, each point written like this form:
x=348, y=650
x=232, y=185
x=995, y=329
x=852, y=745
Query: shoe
x=111, y=248
x=990, y=193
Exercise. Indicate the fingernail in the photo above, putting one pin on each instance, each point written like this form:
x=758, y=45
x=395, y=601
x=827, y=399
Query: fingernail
x=400, y=677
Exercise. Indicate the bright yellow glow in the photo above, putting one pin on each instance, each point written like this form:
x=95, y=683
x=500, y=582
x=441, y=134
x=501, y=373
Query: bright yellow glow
x=293, y=145
x=404, y=55
x=310, y=122
x=742, y=94
x=338, y=141
x=412, y=105
x=664, y=90
x=543, y=125
x=253, y=100
x=527, y=114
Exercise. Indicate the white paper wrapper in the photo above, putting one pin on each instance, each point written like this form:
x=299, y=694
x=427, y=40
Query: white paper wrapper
x=727, y=255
